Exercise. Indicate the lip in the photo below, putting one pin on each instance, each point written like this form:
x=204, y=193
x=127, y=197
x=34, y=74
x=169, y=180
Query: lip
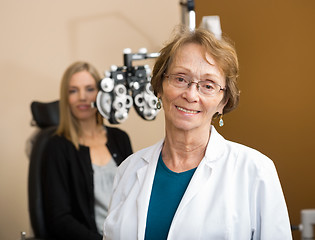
x=83, y=106
x=186, y=110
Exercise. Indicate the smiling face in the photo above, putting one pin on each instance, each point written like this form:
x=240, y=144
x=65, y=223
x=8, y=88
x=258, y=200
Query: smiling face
x=187, y=109
x=82, y=92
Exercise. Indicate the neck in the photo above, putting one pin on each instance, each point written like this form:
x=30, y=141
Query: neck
x=89, y=128
x=92, y=134
x=184, y=150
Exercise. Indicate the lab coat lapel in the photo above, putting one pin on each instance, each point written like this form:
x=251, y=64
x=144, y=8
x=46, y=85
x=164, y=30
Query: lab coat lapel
x=145, y=177
x=202, y=176
x=197, y=183
x=142, y=200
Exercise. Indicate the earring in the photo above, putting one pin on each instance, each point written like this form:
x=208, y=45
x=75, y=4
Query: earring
x=159, y=104
x=221, y=123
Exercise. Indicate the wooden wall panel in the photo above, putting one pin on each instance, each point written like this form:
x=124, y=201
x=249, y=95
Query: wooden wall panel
x=275, y=41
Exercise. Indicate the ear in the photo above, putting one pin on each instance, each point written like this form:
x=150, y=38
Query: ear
x=222, y=105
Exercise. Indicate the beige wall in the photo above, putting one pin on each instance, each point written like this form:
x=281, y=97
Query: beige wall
x=39, y=39
x=275, y=41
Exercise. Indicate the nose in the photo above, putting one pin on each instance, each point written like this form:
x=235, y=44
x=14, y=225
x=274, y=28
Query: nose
x=82, y=95
x=191, y=93
x=197, y=85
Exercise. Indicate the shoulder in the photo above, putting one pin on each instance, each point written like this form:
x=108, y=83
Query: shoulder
x=141, y=157
x=246, y=151
x=134, y=169
x=243, y=160
x=56, y=140
x=233, y=151
x=250, y=158
x=57, y=144
x=118, y=142
x=114, y=132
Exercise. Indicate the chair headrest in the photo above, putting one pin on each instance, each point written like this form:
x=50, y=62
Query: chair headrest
x=45, y=114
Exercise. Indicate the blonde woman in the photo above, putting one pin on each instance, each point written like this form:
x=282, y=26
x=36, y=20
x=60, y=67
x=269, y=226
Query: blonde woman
x=81, y=160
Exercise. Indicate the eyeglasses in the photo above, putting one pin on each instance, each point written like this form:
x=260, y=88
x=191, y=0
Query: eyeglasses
x=207, y=87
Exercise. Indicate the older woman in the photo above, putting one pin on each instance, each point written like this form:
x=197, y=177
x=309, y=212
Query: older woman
x=194, y=184
x=81, y=160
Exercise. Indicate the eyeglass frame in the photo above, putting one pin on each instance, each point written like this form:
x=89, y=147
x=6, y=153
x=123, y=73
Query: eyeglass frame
x=190, y=82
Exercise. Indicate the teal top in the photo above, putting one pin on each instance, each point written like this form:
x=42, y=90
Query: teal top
x=167, y=191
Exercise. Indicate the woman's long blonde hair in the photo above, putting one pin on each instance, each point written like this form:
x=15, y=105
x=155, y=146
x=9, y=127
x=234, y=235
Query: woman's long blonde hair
x=68, y=125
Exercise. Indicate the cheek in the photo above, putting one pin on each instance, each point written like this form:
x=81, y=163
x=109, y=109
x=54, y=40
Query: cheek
x=170, y=93
x=92, y=94
x=222, y=104
x=71, y=99
x=213, y=105
x=167, y=99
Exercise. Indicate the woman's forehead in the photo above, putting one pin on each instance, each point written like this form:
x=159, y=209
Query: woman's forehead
x=192, y=53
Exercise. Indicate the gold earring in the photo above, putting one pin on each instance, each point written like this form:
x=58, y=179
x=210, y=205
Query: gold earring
x=159, y=104
x=221, y=123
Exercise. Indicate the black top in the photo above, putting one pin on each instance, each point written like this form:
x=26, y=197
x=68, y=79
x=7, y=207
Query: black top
x=68, y=185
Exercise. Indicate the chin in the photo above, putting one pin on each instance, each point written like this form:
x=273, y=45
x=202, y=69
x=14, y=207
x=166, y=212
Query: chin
x=84, y=117
x=185, y=126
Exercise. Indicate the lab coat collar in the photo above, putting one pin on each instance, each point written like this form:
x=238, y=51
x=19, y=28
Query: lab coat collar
x=216, y=146
x=154, y=150
x=215, y=149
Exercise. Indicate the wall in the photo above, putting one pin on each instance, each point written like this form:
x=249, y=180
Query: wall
x=39, y=39
x=275, y=41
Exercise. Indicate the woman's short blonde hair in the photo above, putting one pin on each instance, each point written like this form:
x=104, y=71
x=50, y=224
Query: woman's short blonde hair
x=68, y=124
x=222, y=51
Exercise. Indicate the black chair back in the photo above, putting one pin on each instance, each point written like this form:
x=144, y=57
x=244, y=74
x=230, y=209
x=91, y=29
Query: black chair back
x=46, y=117
x=45, y=114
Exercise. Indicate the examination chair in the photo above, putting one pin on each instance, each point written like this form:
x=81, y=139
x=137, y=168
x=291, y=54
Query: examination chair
x=46, y=119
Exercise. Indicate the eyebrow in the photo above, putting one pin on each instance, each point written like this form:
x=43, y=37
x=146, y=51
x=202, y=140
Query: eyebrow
x=90, y=85
x=216, y=77
x=186, y=71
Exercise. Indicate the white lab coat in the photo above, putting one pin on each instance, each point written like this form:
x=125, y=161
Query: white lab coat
x=234, y=194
